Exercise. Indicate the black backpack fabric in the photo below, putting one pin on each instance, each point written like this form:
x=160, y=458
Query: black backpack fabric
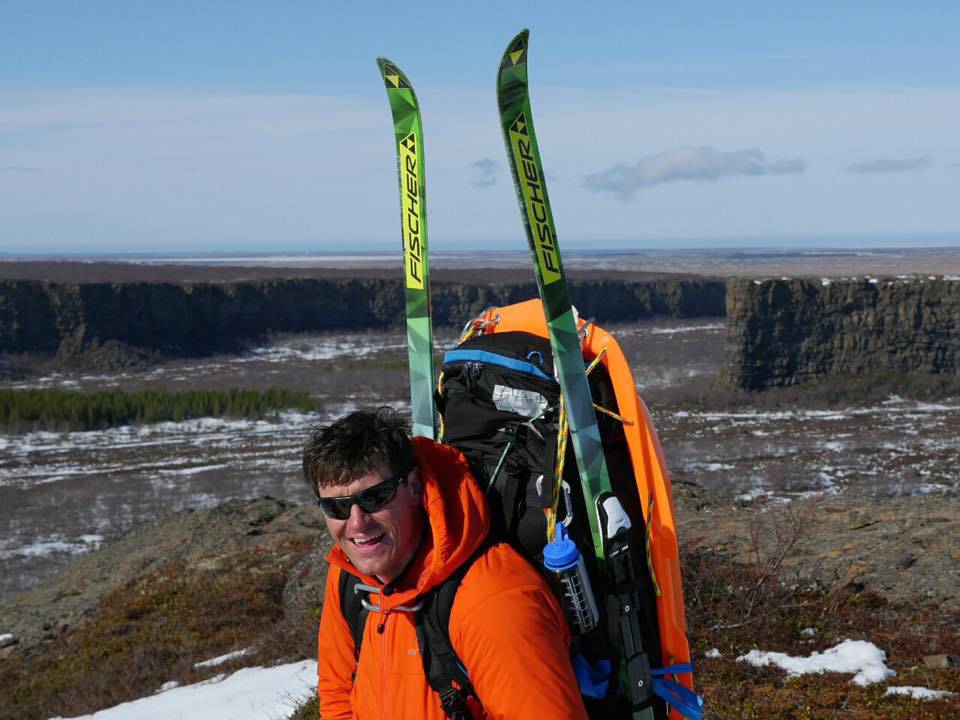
x=499, y=404
x=498, y=401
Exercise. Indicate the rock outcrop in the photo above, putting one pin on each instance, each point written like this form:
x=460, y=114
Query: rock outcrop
x=200, y=318
x=787, y=332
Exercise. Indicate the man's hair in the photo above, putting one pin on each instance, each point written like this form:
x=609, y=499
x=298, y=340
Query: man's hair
x=355, y=445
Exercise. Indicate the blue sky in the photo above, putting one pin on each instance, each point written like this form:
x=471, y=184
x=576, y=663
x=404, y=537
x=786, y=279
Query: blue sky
x=175, y=126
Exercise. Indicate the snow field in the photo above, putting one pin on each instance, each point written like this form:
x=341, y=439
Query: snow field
x=250, y=694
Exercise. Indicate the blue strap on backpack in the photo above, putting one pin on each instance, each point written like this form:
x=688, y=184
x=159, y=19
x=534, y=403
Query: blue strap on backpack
x=683, y=700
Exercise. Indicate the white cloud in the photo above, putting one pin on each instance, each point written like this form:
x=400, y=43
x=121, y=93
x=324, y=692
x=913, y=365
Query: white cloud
x=890, y=165
x=485, y=172
x=695, y=164
x=143, y=169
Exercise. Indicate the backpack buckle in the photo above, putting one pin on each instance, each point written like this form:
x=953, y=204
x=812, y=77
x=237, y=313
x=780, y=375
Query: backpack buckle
x=453, y=704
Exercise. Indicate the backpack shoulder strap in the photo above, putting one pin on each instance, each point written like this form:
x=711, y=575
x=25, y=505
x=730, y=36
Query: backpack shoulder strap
x=353, y=610
x=444, y=670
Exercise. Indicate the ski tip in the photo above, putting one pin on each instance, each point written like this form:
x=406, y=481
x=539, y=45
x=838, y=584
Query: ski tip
x=393, y=77
x=516, y=52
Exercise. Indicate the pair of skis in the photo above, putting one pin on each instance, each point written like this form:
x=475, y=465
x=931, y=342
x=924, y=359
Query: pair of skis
x=609, y=523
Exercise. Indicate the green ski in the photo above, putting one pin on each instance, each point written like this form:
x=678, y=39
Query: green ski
x=524, y=160
x=609, y=523
x=408, y=131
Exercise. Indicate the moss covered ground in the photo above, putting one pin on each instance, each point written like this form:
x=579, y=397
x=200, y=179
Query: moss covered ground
x=155, y=628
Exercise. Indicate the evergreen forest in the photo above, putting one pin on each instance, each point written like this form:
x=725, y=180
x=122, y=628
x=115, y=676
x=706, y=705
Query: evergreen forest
x=61, y=410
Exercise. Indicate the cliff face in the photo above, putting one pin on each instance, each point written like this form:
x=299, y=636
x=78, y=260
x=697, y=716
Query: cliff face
x=192, y=319
x=786, y=332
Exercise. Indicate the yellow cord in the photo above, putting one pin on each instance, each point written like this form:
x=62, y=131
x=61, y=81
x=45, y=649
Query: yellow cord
x=653, y=575
x=441, y=427
x=558, y=472
x=596, y=360
x=612, y=414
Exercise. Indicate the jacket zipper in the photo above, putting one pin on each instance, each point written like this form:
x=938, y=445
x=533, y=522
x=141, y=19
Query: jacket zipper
x=382, y=632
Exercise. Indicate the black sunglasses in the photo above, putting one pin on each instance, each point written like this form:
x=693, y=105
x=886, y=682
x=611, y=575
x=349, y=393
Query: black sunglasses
x=369, y=500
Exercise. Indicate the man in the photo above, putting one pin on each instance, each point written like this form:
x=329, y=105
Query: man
x=405, y=515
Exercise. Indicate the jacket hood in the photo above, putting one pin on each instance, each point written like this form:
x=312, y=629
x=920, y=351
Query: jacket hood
x=457, y=518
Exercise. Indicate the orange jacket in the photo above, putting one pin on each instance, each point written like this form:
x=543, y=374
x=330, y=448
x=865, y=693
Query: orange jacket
x=505, y=624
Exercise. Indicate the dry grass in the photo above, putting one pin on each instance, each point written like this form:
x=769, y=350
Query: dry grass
x=735, y=608
x=155, y=628
x=720, y=594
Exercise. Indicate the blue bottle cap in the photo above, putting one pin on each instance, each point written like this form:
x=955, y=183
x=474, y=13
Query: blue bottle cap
x=562, y=553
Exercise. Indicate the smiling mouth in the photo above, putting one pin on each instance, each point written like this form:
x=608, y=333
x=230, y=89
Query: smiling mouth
x=368, y=543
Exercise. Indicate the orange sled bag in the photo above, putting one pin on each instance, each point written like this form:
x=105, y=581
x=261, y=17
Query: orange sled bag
x=500, y=404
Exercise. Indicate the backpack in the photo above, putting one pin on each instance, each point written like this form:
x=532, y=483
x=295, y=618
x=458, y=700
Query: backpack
x=500, y=405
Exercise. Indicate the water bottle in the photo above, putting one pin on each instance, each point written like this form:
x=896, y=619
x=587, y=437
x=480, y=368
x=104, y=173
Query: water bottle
x=562, y=558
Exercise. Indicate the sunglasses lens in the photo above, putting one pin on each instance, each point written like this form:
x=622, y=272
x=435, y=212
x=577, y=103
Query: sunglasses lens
x=374, y=498
x=369, y=500
x=336, y=508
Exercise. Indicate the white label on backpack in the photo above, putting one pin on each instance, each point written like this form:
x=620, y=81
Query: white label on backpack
x=528, y=403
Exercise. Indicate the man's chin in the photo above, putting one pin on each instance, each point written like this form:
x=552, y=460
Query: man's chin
x=371, y=566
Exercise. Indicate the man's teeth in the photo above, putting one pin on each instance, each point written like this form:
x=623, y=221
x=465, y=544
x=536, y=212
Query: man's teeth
x=368, y=541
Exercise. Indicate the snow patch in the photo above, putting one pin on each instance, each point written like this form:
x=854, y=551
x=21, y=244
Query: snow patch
x=192, y=470
x=248, y=694
x=54, y=544
x=713, y=653
x=221, y=659
x=864, y=659
x=751, y=495
x=324, y=348
x=929, y=488
x=710, y=466
x=917, y=693
x=685, y=329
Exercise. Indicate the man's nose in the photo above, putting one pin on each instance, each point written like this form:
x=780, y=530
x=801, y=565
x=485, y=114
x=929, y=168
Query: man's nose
x=358, y=517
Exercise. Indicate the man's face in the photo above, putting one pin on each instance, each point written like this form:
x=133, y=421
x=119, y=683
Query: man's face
x=380, y=543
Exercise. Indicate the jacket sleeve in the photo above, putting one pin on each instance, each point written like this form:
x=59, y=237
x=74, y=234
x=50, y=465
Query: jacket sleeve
x=515, y=646
x=336, y=662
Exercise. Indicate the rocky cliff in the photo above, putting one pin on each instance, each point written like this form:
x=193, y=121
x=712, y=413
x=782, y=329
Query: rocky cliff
x=786, y=332
x=198, y=318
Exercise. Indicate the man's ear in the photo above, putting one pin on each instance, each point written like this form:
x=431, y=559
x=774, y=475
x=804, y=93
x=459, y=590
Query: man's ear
x=415, y=485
